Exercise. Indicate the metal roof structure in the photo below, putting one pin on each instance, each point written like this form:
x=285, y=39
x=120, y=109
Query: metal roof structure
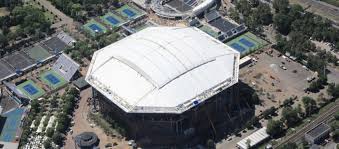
x=66, y=67
x=254, y=139
x=318, y=130
x=163, y=70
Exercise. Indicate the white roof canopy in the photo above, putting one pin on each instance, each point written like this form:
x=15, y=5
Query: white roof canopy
x=163, y=69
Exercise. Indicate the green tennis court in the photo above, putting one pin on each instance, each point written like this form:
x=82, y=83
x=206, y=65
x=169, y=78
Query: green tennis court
x=52, y=79
x=113, y=20
x=31, y=90
x=130, y=12
x=38, y=53
x=93, y=28
x=247, y=43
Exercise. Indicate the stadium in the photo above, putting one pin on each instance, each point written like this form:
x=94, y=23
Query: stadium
x=168, y=85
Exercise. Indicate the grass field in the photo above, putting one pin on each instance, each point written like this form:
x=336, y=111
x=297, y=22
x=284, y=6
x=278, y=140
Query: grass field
x=40, y=92
x=91, y=31
x=257, y=42
x=119, y=19
x=332, y=2
x=61, y=81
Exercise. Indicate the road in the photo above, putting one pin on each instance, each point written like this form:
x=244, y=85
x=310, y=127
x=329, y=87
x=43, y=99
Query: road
x=65, y=20
x=323, y=9
x=323, y=117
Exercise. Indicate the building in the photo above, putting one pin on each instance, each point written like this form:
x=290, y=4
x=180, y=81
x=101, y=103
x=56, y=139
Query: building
x=66, y=67
x=86, y=140
x=254, y=139
x=317, y=134
x=166, y=84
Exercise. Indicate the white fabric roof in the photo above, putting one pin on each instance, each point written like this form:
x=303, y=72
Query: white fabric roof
x=163, y=69
x=255, y=138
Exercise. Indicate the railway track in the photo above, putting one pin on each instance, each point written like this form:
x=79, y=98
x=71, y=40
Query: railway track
x=323, y=117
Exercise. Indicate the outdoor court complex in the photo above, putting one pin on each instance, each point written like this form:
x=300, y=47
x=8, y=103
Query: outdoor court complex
x=247, y=43
x=52, y=79
x=31, y=90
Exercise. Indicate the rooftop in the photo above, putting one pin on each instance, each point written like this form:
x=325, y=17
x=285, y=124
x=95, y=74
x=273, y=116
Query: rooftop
x=255, y=138
x=318, y=130
x=163, y=70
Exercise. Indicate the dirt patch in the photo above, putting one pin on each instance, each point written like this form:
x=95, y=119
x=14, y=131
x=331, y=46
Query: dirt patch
x=4, y=11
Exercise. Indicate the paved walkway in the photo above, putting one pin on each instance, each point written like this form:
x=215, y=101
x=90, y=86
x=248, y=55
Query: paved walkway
x=65, y=20
x=82, y=125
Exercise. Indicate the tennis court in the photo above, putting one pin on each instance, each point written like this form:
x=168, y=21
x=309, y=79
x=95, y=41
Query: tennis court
x=130, y=12
x=94, y=28
x=31, y=90
x=247, y=43
x=238, y=47
x=37, y=53
x=52, y=79
x=11, y=126
x=112, y=20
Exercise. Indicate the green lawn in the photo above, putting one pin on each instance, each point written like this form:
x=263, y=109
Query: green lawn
x=332, y=2
x=40, y=92
x=61, y=82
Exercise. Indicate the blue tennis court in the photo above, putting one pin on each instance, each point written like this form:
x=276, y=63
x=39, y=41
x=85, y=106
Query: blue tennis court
x=13, y=119
x=246, y=42
x=112, y=20
x=95, y=28
x=30, y=89
x=129, y=12
x=53, y=79
x=238, y=47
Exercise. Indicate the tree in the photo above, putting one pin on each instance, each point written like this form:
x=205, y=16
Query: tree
x=281, y=6
x=289, y=146
x=274, y=127
x=3, y=40
x=210, y=144
x=48, y=143
x=243, y=7
x=264, y=15
x=290, y=115
x=282, y=23
x=335, y=135
x=333, y=90
x=310, y=105
x=268, y=112
x=49, y=132
x=234, y=15
x=57, y=138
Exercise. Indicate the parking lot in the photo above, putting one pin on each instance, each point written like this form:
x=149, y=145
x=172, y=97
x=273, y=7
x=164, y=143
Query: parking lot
x=275, y=78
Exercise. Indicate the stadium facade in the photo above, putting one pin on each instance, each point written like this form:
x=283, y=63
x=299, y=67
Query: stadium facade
x=168, y=85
